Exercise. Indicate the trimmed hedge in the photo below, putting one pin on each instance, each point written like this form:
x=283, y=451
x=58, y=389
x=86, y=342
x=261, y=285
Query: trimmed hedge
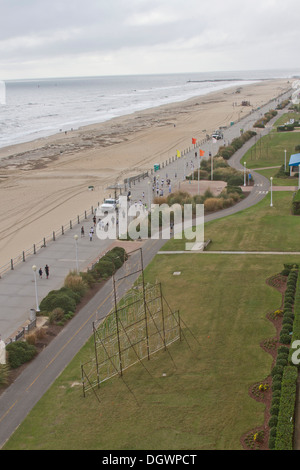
x=284, y=374
x=296, y=324
x=296, y=204
x=285, y=423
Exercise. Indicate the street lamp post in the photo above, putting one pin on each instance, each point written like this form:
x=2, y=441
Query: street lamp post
x=76, y=249
x=36, y=292
x=149, y=197
x=244, y=173
x=285, y=160
x=199, y=172
x=271, y=203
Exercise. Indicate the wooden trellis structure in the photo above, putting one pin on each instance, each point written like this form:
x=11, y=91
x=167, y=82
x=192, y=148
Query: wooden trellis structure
x=140, y=324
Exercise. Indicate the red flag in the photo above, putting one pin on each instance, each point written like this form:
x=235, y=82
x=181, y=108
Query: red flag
x=201, y=153
x=194, y=140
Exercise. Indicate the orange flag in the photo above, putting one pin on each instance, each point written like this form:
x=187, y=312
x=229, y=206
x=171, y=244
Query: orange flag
x=201, y=153
x=194, y=140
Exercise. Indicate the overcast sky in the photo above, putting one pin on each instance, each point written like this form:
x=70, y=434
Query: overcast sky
x=61, y=38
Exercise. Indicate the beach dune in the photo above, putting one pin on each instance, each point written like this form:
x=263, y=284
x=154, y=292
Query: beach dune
x=45, y=183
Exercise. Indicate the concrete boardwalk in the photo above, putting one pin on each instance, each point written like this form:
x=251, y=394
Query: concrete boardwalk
x=17, y=287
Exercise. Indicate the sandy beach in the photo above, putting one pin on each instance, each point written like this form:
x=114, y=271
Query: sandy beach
x=44, y=184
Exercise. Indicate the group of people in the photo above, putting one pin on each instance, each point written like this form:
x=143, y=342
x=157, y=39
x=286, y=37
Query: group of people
x=47, y=272
x=159, y=186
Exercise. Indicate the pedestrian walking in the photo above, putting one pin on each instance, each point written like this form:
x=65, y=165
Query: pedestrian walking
x=82, y=231
x=91, y=236
x=41, y=273
x=47, y=270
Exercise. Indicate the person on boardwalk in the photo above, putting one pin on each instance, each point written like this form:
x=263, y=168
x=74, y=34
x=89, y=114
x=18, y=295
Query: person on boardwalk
x=82, y=231
x=41, y=273
x=47, y=271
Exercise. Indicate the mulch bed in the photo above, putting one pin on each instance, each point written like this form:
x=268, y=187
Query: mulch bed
x=270, y=346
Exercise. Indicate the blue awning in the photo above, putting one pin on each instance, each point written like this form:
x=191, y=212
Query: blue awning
x=295, y=159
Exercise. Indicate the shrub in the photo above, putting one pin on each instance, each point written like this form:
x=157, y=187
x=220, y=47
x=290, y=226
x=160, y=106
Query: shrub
x=275, y=401
x=273, y=421
x=213, y=204
x=272, y=442
x=105, y=267
x=276, y=378
x=75, y=283
x=285, y=339
x=40, y=333
x=277, y=370
x=276, y=385
x=20, y=352
x=287, y=320
x=31, y=338
x=234, y=189
x=4, y=372
x=282, y=362
x=236, y=180
x=56, y=315
x=121, y=252
x=58, y=299
x=274, y=410
x=114, y=257
x=276, y=394
x=89, y=278
x=286, y=330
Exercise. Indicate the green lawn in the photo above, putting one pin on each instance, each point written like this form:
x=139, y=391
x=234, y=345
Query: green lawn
x=289, y=181
x=196, y=397
x=269, y=150
x=260, y=227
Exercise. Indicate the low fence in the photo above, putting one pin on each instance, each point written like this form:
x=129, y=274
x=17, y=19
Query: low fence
x=22, y=257
x=24, y=330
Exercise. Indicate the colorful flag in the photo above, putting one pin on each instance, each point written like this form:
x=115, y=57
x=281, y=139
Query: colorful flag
x=194, y=140
x=201, y=153
x=178, y=154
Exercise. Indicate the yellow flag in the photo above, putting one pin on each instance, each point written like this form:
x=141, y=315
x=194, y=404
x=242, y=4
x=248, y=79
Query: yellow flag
x=178, y=154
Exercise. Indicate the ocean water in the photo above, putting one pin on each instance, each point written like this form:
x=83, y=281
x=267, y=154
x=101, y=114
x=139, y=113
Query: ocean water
x=39, y=108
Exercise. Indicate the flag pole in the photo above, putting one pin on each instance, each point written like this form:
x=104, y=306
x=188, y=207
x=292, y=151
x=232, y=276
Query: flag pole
x=198, y=170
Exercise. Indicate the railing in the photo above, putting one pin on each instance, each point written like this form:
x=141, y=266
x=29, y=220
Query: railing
x=22, y=332
x=22, y=257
